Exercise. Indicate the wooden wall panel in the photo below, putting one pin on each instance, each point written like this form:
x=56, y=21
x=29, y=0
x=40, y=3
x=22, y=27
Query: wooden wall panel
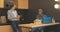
x=22, y=4
x=1, y=3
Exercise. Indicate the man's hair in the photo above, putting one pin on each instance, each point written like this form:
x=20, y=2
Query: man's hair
x=41, y=9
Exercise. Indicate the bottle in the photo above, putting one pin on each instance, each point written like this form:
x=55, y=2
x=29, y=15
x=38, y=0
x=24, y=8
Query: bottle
x=53, y=20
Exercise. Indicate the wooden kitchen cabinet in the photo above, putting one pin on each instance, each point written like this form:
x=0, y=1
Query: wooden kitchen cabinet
x=1, y=3
x=20, y=4
x=6, y=28
x=23, y=4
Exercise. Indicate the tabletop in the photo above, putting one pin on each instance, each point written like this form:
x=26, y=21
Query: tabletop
x=32, y=25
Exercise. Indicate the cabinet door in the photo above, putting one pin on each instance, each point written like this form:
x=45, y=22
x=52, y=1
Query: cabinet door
x=22, y=4
x=1, y=3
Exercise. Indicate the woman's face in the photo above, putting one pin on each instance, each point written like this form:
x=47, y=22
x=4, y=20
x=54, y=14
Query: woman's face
x=40, y=11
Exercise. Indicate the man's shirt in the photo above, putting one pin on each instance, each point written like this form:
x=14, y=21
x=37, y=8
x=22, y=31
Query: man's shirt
x=44, y=18
x=39, y=17
x=12, y=14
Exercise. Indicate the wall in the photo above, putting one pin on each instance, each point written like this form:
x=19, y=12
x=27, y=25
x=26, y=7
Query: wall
x=47, y=5
x=30, y=14
x=34, y=5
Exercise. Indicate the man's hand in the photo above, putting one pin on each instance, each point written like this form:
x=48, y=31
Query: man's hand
x=10, y=17
x=18, y=17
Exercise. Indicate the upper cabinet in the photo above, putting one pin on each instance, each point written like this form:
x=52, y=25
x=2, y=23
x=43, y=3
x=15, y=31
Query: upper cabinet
x=20, y=4
x=23, y=4
x=1, y=3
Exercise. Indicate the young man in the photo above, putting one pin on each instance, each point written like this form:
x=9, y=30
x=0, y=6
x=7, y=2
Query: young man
x=39, y=16
x=13, y=17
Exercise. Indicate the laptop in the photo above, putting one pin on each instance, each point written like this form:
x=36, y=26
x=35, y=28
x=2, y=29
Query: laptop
x=47, y=20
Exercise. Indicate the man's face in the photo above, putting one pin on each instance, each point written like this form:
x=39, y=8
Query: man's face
x=40, y=11
x=13, y=8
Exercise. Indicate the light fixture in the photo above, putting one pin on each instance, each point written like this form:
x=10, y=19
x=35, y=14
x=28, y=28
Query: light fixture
x=56, y=6
x=56, y=0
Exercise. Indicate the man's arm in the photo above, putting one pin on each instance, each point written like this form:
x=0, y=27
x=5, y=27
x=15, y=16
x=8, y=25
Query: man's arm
x=9, y=15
